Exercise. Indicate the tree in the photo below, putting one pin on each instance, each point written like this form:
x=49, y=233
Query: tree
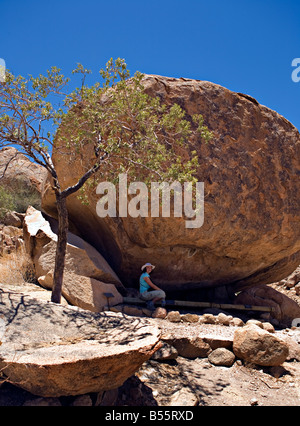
x=115, y=123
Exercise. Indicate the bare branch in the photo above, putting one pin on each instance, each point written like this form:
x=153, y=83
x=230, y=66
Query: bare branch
x=72, y=189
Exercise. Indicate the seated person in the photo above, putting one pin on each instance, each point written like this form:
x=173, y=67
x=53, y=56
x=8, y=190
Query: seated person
x=146, y=284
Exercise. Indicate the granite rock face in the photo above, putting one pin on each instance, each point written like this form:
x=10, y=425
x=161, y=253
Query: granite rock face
x=250, y=171
x=17, y=167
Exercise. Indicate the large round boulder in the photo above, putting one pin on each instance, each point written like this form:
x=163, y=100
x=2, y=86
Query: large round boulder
x=250, y=171
x=258, y=346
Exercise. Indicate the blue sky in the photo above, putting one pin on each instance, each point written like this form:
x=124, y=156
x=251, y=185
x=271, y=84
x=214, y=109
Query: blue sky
x=246, y=46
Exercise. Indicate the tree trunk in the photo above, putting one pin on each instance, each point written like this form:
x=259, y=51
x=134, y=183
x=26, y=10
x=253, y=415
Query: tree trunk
x=63, y=225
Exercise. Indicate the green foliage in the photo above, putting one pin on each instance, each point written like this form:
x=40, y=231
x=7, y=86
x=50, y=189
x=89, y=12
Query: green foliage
x=25, y=107
x=129, y=130
x=205, y=134
x=116, y=125
x=17, y=196
x=6, y=201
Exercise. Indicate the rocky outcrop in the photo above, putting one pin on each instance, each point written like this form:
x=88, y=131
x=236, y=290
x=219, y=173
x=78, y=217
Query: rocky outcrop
x=250, y=234
x=52, y=350
x=290, y=286
x=16, y=167
x=87, y=275
x=14, y=219
x=11, y=238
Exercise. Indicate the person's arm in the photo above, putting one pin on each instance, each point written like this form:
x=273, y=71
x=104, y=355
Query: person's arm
x=152, y=285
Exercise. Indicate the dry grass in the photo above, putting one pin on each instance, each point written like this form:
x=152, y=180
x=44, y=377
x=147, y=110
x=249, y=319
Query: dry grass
x=16, y=268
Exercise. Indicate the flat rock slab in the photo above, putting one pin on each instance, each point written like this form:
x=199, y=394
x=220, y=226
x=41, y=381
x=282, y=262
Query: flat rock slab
x=53, y=350
x=215, y=335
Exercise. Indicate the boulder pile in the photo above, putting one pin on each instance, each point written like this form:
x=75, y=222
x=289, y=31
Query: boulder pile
x=255, y=342
x=54, y=351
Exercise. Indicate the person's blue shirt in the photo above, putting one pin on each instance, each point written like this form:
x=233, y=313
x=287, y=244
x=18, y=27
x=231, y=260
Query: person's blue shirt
x=143, y=285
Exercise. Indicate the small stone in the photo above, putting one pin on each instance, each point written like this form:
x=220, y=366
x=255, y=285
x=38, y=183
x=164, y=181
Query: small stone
x=209, y=319
x=192, y=318
x=223, y=319
x=166, y=352
x=266, y=316
x=191, y=347
x=237, y=322
x=254, y=401
x=184, y=398
x=255, y=322
x=268, y=327
x=221, y=356
x=174, y=316
x=160, y=313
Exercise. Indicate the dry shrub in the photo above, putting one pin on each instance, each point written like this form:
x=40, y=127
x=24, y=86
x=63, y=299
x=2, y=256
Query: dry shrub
x=16, y=268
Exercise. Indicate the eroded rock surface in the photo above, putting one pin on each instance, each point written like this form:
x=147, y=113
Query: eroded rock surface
x=16, y=167
x=52, y=350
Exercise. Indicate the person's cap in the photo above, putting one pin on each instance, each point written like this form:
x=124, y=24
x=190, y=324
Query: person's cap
x=147, y=264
